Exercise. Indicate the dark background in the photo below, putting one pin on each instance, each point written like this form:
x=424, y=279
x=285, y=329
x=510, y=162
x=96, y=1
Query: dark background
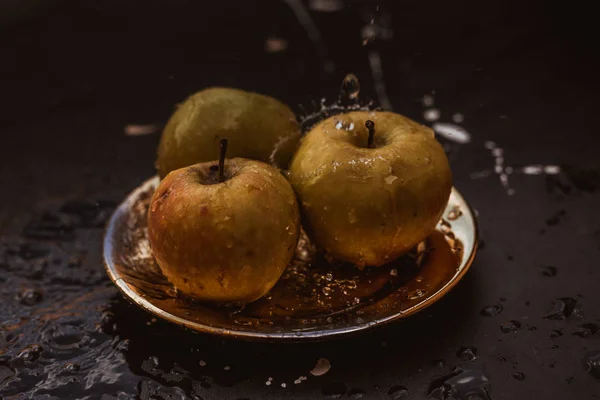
x=74, y=74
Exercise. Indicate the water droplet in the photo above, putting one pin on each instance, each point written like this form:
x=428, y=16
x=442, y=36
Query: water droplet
x=30, y=297
x=398, y=392
x=454, y=213
x=585, y=330
x=321, y=368
x=390, y=179
x=510, y=326
x=393, y=272
x=352, y=216
x=356, y=393
x=344, y=125
x=519, y=376
x=333, y=390
x=468, y=353
x=275, y=45
x=356, y=300
x=548, y=270
x=458, y=118
x=461, y=385
x=326, y=290
x=153, y=361
x=556, y=333
x=428, y=100
x=416, y=294
x=445, y=227
x=432, y=114
x=72, y=367
x=30, y=353
x=326, y=5
x=592, y=363
x=562, y=308
x=329, y=277
x=350, y=89
x=202, y=363
x=452, y=132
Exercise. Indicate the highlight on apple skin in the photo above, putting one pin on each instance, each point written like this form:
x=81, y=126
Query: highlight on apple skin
x=370, y=204
x=228, y=239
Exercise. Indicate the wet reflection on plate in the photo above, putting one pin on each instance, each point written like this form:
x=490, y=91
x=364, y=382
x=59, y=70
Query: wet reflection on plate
x=314, y=299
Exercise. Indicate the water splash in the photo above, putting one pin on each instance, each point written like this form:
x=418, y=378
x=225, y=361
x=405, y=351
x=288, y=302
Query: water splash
x=452, y=132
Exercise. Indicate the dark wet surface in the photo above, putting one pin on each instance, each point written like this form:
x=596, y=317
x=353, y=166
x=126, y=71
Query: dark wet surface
x=76, y=73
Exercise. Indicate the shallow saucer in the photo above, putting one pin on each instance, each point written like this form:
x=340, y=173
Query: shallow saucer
x=314, y=299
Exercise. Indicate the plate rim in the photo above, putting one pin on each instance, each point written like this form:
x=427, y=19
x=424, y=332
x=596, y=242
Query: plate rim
x=290, y=336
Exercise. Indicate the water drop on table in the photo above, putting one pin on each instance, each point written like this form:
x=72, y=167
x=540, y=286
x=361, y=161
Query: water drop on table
x=398, y=392
x=356, y=393
x=469, y=385
x=491, y=310
x=518, y=376
x=510, y=326
x=72, y=367
x=468, y=353
x=30, y=353
x=30, y=297
x=556, y=333
x=592, y=363
x=321, y=368
x=585, y=330
x=548, y=270
x=562, y=308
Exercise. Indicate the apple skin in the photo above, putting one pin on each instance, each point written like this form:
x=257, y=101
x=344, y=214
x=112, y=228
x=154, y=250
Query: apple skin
x=224, y=242
x=368, y=206
x=258, y=127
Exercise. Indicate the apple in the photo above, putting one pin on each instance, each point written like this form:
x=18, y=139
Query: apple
x=258, y=127
x=371, y=185
x=224, y=232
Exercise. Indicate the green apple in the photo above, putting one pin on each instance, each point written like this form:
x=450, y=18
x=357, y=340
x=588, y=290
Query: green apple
x=369, y=204
x=258, y=127
x=228, y=239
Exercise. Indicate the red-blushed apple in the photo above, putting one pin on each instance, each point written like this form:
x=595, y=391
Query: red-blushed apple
x=371, y=185
x=225, y=239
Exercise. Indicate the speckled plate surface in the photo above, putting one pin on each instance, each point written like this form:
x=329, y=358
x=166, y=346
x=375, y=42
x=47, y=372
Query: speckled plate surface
x=314, y=299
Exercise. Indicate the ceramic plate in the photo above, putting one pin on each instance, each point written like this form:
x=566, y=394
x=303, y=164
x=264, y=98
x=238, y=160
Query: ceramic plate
x=314, y=299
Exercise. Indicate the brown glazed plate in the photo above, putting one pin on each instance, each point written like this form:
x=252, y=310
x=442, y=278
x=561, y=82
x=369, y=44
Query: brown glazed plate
x=314, y=299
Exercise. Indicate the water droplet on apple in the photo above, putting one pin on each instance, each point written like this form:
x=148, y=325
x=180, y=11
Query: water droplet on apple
x=344, y=125
x=390, y=179
x=352, y=216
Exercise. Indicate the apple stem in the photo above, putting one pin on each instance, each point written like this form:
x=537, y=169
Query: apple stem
x=371, y=127
x=223, y=151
